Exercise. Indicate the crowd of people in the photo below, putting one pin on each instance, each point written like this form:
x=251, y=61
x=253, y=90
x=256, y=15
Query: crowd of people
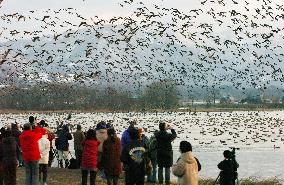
x=101, y=152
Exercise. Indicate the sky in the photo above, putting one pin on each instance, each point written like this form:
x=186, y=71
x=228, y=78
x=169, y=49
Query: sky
x=106, y=9
x=88, y=7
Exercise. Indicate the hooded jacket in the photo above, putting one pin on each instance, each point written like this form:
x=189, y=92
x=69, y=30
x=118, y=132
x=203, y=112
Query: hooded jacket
x=186, y=169
x=29, y=143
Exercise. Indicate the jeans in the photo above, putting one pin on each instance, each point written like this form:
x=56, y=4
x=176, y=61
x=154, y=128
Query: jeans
x=167, y=175
x=31, y=172
x=43, y=172
x=153, y=177
x=85, y=177
x=112, y=180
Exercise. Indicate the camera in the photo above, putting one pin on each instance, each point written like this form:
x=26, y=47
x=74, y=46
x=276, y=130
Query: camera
x=233, y=152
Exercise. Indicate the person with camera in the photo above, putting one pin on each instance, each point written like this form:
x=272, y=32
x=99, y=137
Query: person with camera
x=165, y=151
x=228, y=168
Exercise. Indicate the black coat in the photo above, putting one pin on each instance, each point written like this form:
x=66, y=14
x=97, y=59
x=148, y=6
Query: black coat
x=62, y=140
x=133, y=158
x=164, y=148
x=227, y=173
x=9, y=151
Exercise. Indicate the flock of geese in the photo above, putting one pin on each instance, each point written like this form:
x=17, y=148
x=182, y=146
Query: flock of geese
x=262, y=130
x=223, y=41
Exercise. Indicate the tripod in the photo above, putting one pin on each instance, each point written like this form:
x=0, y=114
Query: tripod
x=234, y=183
x=217, y=179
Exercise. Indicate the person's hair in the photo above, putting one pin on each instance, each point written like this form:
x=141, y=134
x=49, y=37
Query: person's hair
x=132, y=123
x=185, y=146
x=27, y=126
x=14, y=126
x=79, y=127
x=111, y=134
x=91, y=134
x=227, y=154
x=6, y=133
x=162, y=125
x=134, y=134
x=31, y=119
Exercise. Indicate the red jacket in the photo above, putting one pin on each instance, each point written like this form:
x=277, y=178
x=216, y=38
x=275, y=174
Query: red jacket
x=90, y=154
x=51, y=137
x=29, y=143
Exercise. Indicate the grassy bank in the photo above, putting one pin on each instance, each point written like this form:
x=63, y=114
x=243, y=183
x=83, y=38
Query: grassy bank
x=73, y=177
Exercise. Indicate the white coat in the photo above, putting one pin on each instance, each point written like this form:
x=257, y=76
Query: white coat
x=44, y=147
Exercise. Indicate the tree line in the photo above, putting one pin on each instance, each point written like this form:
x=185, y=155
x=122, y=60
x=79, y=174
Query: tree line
x=60, y=96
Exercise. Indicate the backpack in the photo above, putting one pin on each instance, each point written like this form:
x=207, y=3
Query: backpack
x=73, y=164
x=198, y=164
x=152, y=147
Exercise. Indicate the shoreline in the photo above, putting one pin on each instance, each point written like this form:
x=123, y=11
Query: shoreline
x=59, y=176
x=183, y=110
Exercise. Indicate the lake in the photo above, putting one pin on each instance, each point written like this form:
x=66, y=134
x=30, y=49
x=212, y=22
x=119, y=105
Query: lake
x=259, y=135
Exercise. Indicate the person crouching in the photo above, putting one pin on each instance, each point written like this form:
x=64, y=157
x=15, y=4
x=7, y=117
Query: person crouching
x=44, y=147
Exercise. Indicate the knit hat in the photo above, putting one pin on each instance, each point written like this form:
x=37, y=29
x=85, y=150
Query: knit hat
x=101, y=125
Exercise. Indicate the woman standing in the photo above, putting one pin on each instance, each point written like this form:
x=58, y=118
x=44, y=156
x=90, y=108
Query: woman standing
x=186, y=168
x=110, y=161
x=90, y=157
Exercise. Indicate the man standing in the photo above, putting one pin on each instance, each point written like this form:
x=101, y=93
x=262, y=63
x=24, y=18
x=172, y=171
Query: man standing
x=164, y=151
x=63, y=145
x=30, y=151
x=125, y=138
x=79, y=137
x=228, y=168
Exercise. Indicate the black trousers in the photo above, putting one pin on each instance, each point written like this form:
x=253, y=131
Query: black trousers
x=43, y=172
x=1, y=174
x=9, y=174
x=78, y=155
x=85, y=174
x=131, y=179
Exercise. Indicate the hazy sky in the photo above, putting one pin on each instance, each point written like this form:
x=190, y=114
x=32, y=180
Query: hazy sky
x=88, y=7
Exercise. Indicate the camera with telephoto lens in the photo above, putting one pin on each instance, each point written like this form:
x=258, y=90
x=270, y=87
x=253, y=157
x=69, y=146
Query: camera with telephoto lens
x=233, y=152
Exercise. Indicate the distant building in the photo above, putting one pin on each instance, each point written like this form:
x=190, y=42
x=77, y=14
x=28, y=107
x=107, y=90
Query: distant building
x=227, y=100
x=252, y=100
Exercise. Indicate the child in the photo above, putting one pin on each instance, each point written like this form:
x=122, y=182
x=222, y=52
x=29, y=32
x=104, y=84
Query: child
x=111, y=157
x=90, y=157
x=44, y=147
